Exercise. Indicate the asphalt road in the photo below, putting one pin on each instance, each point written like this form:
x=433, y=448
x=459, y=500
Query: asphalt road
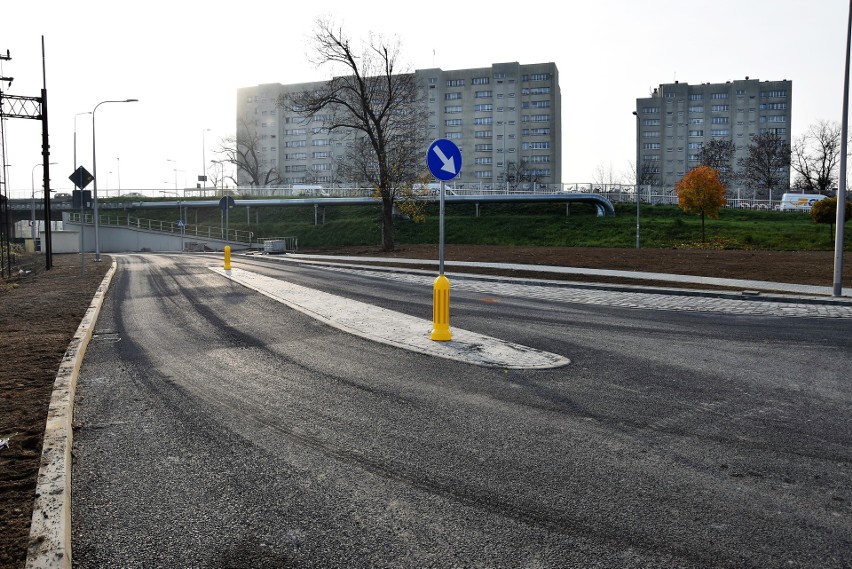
x=219, y=428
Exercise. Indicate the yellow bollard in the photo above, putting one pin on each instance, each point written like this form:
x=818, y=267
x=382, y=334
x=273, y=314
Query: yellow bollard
x=227, y=257
x=441, y=310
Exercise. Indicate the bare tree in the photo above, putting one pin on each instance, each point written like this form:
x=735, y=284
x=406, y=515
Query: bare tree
x=375, y=105
x=719, y=155
x=648, y=174
x=816, y=155
x=766, y=167
x=520, y=175
x=243, y=151
x=605, y=175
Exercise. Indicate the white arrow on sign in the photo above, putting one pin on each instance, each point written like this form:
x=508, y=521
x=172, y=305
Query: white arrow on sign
x=449, y=163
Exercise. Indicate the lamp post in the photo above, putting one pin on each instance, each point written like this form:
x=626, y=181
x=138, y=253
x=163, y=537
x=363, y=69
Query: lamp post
x=204, y=156
x=840, y=219
x=637, y=178
x=82, y=201
x=95, y=176
x=118, y=174
x=33, y=230
x=221, y=163
x=175, y=169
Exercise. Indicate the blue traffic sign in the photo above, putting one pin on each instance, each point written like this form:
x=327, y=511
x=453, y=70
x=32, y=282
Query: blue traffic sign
x=444, y=159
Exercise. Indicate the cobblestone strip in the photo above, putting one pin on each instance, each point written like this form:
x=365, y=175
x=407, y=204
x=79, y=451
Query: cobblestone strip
x=625, y=299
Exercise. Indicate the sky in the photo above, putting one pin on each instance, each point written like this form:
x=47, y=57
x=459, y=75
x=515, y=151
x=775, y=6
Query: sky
x=184, y=62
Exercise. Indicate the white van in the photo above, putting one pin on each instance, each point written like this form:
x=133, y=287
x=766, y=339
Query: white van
x=799, y=202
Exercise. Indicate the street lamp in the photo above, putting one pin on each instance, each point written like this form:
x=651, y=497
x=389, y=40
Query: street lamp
x=637, y=178
x=82, y=201
x=175, y=169
x=95, y=176
x=222, y=164
x=34, y=231
x=204, y=156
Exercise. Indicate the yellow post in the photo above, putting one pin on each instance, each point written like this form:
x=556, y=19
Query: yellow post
x=227, y=257
x=441, y=310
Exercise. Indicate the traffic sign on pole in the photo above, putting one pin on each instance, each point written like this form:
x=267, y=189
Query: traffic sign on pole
x=444, y=159
x=81, y=177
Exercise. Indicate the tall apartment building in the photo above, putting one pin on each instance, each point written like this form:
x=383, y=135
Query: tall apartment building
x=506, y=120
x=678, y=119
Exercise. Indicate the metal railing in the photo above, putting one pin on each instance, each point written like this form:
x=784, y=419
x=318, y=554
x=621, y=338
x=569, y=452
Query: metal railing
x=188, y=230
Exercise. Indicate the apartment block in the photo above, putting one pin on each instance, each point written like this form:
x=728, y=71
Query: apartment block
x=506, y=120
x=678, y=119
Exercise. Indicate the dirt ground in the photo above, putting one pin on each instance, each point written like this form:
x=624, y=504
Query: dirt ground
x=41, y=310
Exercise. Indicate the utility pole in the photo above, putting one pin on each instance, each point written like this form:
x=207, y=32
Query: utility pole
x=16, y=106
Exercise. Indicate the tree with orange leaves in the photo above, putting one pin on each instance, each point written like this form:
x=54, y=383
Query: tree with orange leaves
x=701, y=192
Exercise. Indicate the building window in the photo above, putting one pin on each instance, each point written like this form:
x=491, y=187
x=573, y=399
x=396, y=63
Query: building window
x=773, y=106
x=535, y=145
x=483, y=108
x=482, y=134
x=453, y=122
x=776, y=118
x=322, y=167
x=718, y=96
x=695, y=145
x=296, y=132
x=483, y=148
x=296, y=156
x=694, y=133
x=696, y=109
x=453, y=109
x=538, y=104
x=720, y=132
x=453, y=135
x=719, y=108
x=536, y=118
x=320, y=142
x=651, y=122
x=483, y=120
x=695, y=121
x=452, y=96
x=650, y=110
x=536, y=132
x=695, y=97
x=320, y=155
x=480, y=80
x=483, y=94
x=455, y=82
x=294, y=144
x=719, y=120
x=484, y=161
x=539, y=159
x=651, y=134
x=651, y=146
x=535, y=91
x=482, y=174
x=773, y=94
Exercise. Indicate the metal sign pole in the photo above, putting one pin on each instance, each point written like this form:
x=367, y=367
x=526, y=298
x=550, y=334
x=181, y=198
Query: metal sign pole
x=441, y=231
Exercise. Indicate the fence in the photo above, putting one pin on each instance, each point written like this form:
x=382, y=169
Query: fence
x=187, y=230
